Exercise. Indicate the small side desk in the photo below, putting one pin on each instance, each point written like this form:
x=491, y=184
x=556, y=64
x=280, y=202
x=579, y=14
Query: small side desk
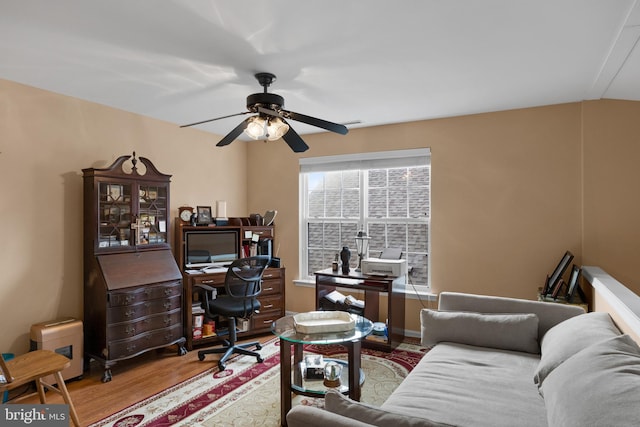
x=328, y=280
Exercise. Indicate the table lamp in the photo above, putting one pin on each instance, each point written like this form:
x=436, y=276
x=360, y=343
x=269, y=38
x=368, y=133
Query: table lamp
x=362, y=245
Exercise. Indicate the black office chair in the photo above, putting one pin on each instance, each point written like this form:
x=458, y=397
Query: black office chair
x=243, y=284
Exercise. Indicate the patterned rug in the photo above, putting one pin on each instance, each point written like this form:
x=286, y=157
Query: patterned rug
x=248, y=393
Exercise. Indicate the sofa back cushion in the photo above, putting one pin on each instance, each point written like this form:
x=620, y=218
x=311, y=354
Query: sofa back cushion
x=518, y=332
x=598, y=386
x=549, y=313
x=569, y=337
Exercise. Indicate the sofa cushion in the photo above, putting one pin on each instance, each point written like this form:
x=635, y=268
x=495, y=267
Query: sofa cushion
x=598, y=386
x=465, y=385
x=342, y=405
x=517, y=332
x=569, y=337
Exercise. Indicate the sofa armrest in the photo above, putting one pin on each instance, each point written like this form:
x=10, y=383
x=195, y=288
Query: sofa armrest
x=309, y=416
x=549, y=313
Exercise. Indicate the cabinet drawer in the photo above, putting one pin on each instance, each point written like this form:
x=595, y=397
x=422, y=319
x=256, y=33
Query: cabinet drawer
x=135, y=327
x=271, y=303
x=132, y=346
x=271, y=287
x=264, y=320
x=144, y=293
x=142, y=309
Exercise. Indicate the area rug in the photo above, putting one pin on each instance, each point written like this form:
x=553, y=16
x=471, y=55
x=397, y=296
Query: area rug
x=248, y=393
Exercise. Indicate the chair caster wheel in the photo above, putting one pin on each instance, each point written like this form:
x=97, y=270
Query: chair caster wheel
x=200, y=357
x=221, y=366
x=258, y=346
x=260, y=359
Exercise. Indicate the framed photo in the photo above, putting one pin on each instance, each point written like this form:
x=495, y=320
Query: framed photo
x=573, y=282
x=204, y=215
x=557, y=273
x=114, y=192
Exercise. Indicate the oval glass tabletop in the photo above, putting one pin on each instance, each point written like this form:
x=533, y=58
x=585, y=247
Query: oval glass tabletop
x=284, y=328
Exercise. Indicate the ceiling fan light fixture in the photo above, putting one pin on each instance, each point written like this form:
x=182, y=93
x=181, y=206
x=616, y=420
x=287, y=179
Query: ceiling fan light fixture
x=255, y=128
x=268, y=128
x=276, y=128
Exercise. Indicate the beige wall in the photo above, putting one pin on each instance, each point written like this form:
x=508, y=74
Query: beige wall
x=611, y=182
x=45, y=142
x=507, y=193
x=505, y=196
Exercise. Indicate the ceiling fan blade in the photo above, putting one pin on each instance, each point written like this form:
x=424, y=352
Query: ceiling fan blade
x=294, y=141
x=231, y=136
x=217, y=118
x=324, y=124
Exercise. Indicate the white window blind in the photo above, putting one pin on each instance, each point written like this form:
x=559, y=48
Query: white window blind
x=385, y=193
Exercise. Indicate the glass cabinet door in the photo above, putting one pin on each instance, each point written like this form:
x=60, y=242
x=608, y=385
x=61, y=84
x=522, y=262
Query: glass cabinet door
x=152, y=214
x=114, y=211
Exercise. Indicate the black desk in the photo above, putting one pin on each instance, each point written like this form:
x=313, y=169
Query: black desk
x=328, y=280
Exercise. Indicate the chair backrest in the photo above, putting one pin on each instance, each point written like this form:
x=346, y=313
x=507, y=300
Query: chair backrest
x=244, y=279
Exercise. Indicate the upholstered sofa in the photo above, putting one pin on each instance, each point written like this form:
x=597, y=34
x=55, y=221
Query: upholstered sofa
x=505, y=362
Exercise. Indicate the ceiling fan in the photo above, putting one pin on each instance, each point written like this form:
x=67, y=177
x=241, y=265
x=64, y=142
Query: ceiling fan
x=270, y=119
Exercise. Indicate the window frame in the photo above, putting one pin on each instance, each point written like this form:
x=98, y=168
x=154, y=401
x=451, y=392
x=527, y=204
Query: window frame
x=362, y=162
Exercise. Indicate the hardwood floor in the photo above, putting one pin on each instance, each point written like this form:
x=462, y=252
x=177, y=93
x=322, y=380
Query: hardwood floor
x=133, y=380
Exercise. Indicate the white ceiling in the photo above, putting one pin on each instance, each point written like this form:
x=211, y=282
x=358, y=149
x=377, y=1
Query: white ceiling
x=373, y=61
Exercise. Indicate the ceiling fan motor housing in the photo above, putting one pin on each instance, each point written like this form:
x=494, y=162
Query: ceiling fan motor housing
x=265, y=100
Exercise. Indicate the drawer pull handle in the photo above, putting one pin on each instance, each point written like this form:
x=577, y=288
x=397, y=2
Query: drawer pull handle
x=129, y=313
x=267, y=276
x=167, y=292
x=208, y=281
x=130, y=348
x=128, y=299
x=167, y=304
x=130, y=330
x=267, y=306
x=267, y=322
x=267, y=289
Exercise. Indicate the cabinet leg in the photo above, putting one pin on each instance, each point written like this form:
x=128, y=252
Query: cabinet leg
x=181, y=350
x=106, y=376
x=181, y=346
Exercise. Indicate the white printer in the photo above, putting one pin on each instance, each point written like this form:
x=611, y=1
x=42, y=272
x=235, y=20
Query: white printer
x=387, y=267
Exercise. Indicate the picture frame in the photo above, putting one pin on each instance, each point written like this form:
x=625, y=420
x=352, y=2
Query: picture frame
x=557, y=273
x=114, y=192
x=204, y=215
x=573, y=283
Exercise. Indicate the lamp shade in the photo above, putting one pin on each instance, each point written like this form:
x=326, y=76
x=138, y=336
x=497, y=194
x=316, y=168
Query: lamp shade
x=362, y=242
x=266, y=128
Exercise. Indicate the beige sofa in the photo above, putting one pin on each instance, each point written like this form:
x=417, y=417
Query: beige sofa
x=504, y=362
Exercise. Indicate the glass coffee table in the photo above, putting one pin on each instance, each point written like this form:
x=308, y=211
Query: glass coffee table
x=292, y=381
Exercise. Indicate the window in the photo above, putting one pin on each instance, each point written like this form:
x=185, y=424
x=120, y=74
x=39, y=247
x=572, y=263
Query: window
x=386, y=194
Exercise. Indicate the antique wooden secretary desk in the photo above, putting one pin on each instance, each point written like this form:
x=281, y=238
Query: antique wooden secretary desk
x=132, y=284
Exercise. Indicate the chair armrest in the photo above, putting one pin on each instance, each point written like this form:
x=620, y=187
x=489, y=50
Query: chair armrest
x=309, y=416
x=205, y=287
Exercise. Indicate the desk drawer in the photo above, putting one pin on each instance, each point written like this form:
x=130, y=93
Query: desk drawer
x=142, y=309
x=263, y=321
x=272, y=273
x=210, y=279
x=271, y=287
x=144, y=293
x=157, y=321
x=132, y=346
x=271, y=303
